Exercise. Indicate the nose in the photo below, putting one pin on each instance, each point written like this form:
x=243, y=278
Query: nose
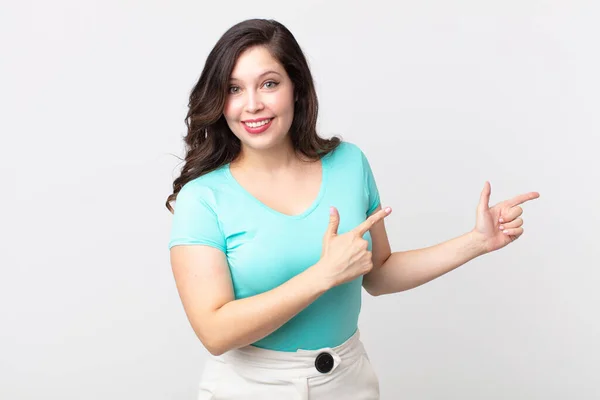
x=254, y=102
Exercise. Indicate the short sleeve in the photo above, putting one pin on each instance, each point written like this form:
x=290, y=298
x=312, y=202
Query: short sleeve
x=370, y=185
x=195, y=220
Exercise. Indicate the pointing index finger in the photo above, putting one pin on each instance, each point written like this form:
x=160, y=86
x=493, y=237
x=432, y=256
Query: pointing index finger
x=372, y=220
x=520, y=199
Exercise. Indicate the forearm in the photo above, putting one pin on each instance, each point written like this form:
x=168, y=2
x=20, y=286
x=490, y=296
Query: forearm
x=408, y=269
x=245, y=321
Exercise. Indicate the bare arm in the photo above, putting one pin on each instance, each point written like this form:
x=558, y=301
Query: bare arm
x=405, y=270
x=495, y=228
x=223, y=323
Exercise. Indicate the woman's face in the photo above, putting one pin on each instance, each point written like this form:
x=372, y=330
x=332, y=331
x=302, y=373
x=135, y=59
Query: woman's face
x=259, y=107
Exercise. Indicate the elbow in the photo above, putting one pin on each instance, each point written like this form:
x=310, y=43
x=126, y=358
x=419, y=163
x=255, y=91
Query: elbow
x=213, y=345
x=373, y=281
x=214, y=350
x=212, y=341
x=370, y=288
x=215, y=333
x=372, y=293
x=216, y=342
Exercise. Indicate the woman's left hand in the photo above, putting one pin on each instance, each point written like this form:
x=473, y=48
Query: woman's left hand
x=501, y=224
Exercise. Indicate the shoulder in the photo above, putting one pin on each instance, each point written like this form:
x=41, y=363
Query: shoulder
x=346, y=150
x=348, y=153
x=203, y=189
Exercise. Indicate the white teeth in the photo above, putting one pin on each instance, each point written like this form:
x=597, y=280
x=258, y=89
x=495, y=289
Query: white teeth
x=257, y=124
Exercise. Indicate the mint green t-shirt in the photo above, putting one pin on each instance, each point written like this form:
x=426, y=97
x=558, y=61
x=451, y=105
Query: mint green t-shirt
x=265, y=248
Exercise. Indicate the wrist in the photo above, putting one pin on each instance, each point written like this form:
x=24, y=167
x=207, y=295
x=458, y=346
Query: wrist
x=477, y=242
x=318, y=278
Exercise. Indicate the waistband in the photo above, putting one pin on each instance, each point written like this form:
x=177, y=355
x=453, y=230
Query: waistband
x=300, y=363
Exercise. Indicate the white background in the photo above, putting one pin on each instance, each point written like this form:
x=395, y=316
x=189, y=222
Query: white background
x=440, y=95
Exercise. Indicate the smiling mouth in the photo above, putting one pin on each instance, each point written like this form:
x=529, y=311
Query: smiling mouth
x=257, y=124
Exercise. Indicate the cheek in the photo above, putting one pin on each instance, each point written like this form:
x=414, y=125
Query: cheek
x=283, y=103
x=230, y=111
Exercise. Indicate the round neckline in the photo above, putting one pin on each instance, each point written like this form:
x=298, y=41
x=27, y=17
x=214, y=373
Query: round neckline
x=305, y=213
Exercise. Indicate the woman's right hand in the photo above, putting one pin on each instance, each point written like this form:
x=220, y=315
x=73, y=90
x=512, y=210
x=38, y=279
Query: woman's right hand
x=345, y=257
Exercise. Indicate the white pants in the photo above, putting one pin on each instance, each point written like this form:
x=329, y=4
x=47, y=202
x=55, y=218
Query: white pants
x=254, y=373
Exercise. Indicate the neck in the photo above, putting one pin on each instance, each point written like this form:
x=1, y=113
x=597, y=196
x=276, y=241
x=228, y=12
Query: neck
x=267, y=161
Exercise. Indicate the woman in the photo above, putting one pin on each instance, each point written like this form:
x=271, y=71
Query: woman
x=269, y=274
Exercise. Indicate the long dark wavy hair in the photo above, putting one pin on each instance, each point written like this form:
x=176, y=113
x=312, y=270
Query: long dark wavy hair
x=210, y=143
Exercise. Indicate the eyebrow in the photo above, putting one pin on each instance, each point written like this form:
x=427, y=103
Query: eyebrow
x=260, y=76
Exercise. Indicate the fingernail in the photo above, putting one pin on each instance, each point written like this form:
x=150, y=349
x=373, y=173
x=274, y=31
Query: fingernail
x=501, y=220
x=388, y=209
x=331, y=212
x=501, y=228
x=505, y=231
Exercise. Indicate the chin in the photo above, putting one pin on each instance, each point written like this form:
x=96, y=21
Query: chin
x=263, y=142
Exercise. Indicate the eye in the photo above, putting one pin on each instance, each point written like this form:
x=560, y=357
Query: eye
x=233, y=89
x=271, y=84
